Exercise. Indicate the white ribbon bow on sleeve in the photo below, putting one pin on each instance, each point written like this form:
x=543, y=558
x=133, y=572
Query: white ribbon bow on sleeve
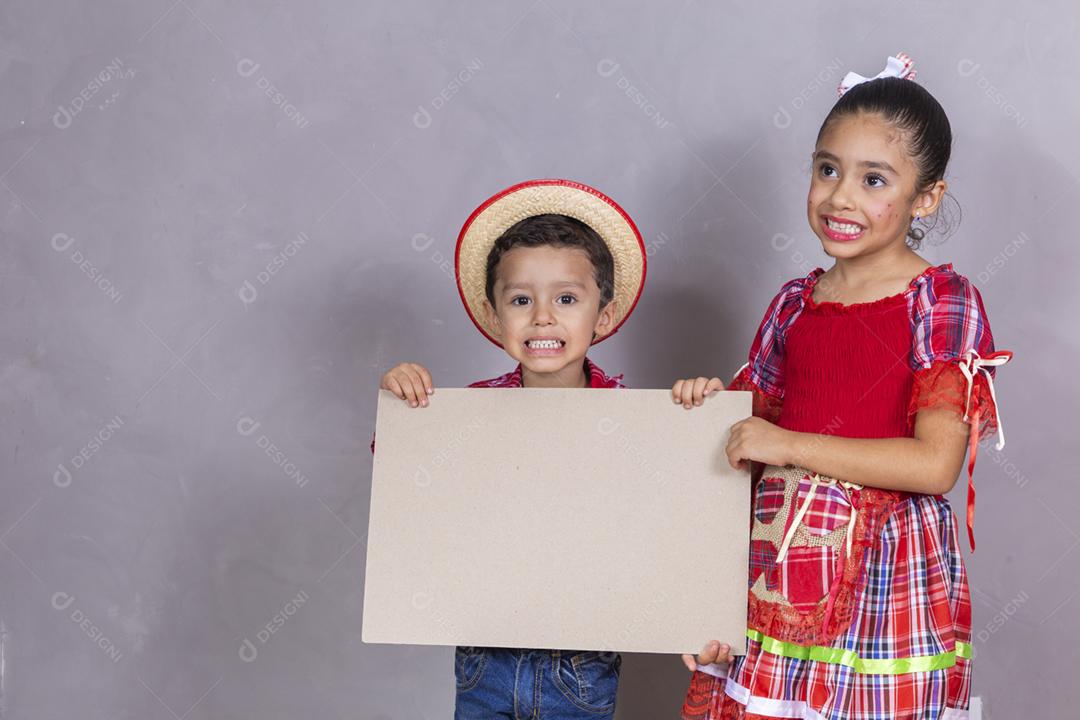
x=899, y=66
x=971, y=363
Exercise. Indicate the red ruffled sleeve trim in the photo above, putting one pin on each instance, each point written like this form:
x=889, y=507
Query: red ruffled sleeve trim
x=764, y=405
x=945, y=384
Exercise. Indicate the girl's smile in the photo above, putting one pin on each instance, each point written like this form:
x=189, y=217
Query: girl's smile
x=840, y=229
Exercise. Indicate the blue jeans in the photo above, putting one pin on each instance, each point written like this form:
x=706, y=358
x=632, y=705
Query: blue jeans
x=535, y=684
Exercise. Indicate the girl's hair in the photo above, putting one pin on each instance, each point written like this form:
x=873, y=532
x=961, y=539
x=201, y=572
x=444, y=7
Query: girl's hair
x=910, y=108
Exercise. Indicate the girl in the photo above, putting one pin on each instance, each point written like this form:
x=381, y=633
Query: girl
x=869, y=381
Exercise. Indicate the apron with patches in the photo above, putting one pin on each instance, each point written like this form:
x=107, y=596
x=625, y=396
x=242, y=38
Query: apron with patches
x=807, y=542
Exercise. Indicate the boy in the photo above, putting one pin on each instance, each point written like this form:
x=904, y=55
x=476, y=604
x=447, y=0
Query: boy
x=545, y=269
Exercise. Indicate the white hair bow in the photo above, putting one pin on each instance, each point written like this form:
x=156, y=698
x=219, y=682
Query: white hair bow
x=899, y=66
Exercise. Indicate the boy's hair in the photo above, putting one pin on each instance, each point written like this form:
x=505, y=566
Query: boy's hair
x=558, y=231
x=910, y=108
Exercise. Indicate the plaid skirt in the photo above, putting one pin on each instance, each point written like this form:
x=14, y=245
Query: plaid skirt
x=858, y=608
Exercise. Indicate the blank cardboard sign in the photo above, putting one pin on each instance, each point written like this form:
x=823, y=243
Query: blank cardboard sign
x=557, y=518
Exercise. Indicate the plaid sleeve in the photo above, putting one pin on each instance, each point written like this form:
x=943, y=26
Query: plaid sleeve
x=948, y=319
x=766, y=362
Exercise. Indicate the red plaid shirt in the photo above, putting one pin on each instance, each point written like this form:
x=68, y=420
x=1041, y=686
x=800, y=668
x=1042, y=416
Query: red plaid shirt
x=597, y=378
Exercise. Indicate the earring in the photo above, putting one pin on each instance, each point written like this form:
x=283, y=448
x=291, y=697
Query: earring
x=918, y=214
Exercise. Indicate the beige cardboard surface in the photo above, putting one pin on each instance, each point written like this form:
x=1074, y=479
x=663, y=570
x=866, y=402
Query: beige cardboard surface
x=557, y=518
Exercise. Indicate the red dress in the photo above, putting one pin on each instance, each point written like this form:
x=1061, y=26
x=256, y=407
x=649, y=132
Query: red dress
x=858, y=607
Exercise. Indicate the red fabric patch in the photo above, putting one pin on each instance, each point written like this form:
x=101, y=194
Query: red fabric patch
x=806, y=574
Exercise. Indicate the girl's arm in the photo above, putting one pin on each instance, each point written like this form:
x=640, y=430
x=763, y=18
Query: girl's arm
x=928, y=463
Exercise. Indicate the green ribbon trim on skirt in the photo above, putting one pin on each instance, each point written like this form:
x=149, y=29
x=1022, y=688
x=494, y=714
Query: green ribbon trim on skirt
x=865, y=666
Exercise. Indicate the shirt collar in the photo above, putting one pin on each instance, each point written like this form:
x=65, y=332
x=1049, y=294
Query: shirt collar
x=597, y=377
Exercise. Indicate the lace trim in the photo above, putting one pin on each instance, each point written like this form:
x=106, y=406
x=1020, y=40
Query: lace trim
x=943, y=386
x=940, y=386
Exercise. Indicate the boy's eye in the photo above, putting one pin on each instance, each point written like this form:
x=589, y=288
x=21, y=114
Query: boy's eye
x=519, y=300
x=826, y=169
x=566, y=299
x=875, y=181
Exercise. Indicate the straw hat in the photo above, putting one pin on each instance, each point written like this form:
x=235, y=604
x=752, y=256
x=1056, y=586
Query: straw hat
x=539, y=197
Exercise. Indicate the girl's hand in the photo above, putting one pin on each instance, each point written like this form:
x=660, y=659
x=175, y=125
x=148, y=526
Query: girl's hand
x=711, y=653
x=410, y=382
x=758, y=439
x=693, y=391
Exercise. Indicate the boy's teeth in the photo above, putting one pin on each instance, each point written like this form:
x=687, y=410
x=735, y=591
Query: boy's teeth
x=544, y=344
x=846, y=228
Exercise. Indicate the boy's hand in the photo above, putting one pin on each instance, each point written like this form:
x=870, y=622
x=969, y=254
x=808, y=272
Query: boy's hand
x=711, y=653
x=693, y=391
x=410, y=382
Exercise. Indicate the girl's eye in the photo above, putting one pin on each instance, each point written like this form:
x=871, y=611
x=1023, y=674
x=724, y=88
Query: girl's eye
x=519, y=300
x=826, y=169
x=566, y=299
x=875, y=180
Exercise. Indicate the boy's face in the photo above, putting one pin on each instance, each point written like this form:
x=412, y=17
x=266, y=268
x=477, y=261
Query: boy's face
x=547, y=307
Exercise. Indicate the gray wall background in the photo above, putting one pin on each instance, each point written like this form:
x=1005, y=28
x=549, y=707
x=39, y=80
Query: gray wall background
x=221, y=223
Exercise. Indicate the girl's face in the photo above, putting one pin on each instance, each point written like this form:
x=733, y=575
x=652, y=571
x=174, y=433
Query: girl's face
x=862, y=192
